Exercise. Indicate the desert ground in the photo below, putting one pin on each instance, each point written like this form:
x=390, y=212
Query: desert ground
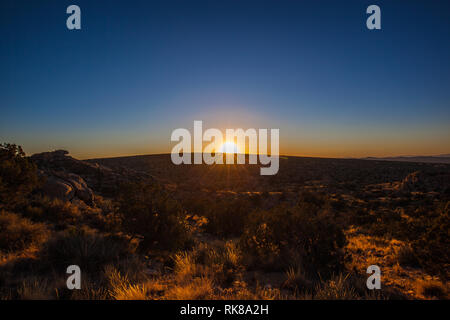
x=143, y=228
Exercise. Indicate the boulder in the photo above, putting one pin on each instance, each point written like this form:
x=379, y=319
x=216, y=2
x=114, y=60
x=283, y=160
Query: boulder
x=425, y=182
x=82, y=190
x=58, y=188
x=85, y=176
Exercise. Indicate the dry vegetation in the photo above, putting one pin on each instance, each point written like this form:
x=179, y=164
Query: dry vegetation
x=224, y=232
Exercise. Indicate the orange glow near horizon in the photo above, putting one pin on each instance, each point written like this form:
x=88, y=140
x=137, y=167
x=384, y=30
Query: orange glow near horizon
x=229, y=147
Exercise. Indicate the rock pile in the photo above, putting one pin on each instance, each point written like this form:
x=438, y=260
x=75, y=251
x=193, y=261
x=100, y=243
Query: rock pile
x=68, y=178
x=425, y=182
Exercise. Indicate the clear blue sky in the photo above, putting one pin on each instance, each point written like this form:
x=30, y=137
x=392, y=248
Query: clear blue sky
x=139, y=69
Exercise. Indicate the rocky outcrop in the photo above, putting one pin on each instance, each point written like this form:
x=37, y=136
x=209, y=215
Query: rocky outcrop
x=65, y=186
x=68, y=178
x=57, y=188
x=82, y=191
x=425, y=182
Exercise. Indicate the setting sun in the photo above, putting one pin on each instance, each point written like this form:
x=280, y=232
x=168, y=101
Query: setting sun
x=229, y=147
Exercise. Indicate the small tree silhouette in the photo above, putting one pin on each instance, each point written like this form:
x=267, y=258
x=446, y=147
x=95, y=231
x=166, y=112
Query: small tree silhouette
x=18, y=176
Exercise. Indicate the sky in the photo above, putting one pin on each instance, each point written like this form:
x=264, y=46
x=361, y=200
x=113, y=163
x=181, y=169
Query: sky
x=137, y=70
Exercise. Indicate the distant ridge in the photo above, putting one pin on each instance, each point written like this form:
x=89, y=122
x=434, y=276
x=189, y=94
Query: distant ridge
x=443, y=158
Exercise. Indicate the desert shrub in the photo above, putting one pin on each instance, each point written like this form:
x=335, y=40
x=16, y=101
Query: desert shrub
x=53, y=210
x=17, y=233
x=350, y=287
x=49, y=288
x=338, y=205
x=85, y=248
x=296, y=280
x=218, y=261
x=227, y=217
x=240, y=291
x=63, y=213
x=34, y=288
x=432, y=247
x=283, y=236
x=407, y=257
x=381, y=223
x=308, y=198
x=18, y=176
x=433, y=289
x=336, y=288
x=191, y=281
x=198, y=204
x=186, y=267
x=362, y=216
x=90, y=290
x=108, y=220
x=149, y=212
x=232, y=254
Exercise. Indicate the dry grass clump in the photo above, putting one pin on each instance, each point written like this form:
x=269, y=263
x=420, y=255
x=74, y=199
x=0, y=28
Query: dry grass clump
x=54, y=210
x=85, y=248
x=150, y=213
x=407, y=257
x=34, y=288
x=233, y=255
x=219, y=261
x=63, y=214
x=90, y=290
x=297, y=280
x=337, y=288
x=186, y=267
x=18, y=233
x=241, y=291
x=433, y=289
x=276, y=238
x=214, y=271
x=201, y=288
x=122, y=289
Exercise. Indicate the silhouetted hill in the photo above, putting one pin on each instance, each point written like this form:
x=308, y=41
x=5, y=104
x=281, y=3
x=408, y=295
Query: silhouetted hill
x=332, y=173
x=445, y=158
